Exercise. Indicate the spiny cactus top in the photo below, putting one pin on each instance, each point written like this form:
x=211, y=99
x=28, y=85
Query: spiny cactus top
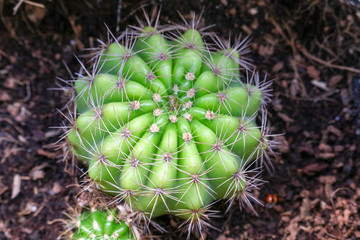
x=168, y=122
x=100, y=225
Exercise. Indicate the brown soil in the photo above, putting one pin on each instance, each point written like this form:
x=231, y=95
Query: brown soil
x=310, y=49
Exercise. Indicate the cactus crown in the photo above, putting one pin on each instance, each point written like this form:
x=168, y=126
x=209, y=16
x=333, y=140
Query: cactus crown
x=169, y=123
x=98, y=224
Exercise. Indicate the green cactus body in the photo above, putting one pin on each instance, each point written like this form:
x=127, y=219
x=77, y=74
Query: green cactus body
x=167, y=125
x=102, y=225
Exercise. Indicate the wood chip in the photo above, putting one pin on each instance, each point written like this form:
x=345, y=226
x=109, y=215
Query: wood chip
x=266, y=50
x=313, y=72
x=345, y=97
x=246, y=29
x=261, y=3
x=283, y=144
x=332, y=129
x=334, y=80
x=294, y=87
x=255, y=24
x=37, y=172
x=286, y=118
x=320, y=85
x=56, y=189
x=339, y=148
x=221, y=237
x=4, y=96
x=224, y=2
x=35, y=13
x=16, y=187
x=277, y=67
x=29, y=208
x=327, y=179
x=347, y=214
x=18, y=112
x=313, y=168
x=52, y=133
x=14, y=109
x=325, y=147
x=3, y=189
x=253, y=11
x=326, y=155
x=10, y=83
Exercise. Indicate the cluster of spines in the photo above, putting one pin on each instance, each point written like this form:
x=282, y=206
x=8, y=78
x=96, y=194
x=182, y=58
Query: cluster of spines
x=208, y=124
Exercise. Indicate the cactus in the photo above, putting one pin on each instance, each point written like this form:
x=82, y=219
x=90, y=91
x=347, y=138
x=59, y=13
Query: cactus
x=98, y=224
x=170, y=123
x=101, y=225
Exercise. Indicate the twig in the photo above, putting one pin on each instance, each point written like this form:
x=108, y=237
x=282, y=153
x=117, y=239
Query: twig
x=290, y=42
x=20, y=2
x=16, y=8
x=40, y=5
x=327, y=64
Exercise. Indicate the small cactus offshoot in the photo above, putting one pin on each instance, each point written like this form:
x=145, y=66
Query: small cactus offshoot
x=170, y=123
x=98, y=224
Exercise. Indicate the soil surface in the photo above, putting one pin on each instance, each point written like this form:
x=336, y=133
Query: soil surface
x=309, y=49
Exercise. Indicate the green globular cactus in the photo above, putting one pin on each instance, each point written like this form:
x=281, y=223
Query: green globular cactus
x=170, y=123
x=97, y=224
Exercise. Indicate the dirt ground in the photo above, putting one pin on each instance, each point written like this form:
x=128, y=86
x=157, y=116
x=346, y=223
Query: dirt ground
x=309, y=49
